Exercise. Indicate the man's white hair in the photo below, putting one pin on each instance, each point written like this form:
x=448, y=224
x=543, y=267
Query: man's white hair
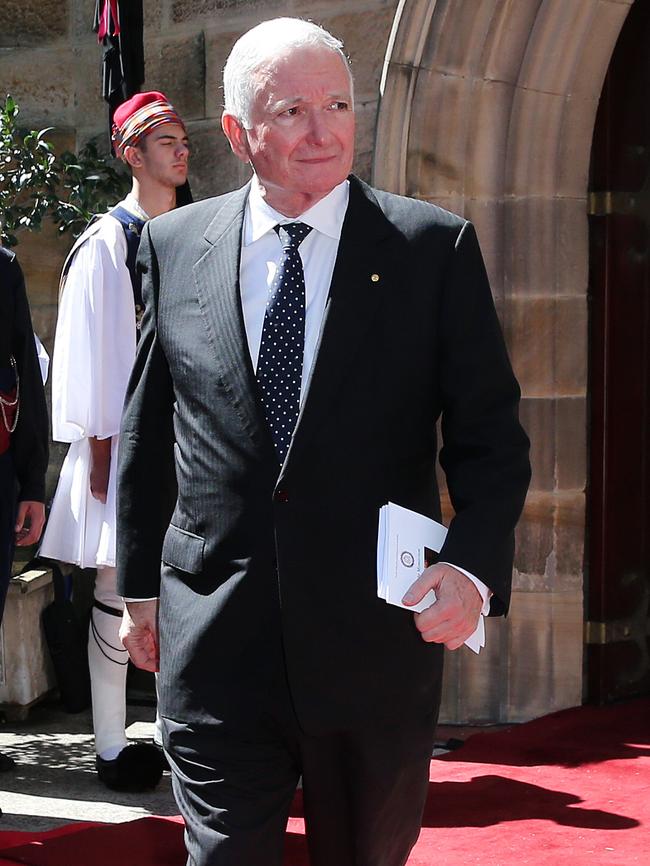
x=262, y=44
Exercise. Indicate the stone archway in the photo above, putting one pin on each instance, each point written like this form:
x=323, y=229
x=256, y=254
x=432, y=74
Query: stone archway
x=488, y=109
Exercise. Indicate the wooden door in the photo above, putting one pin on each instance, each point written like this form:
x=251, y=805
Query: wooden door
x=618, y=550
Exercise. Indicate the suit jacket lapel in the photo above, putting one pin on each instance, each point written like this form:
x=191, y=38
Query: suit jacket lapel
x=361, y=265
x=350, y=308
x=216, y=275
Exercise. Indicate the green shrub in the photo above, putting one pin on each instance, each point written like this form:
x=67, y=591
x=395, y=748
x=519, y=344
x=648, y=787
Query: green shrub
x=36, y=183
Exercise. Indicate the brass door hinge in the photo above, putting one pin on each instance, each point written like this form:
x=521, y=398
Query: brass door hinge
x=606, y=202
x=617, y=631
x=600, y=204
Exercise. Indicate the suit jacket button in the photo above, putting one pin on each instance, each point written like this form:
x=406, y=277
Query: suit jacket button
x=281, y=496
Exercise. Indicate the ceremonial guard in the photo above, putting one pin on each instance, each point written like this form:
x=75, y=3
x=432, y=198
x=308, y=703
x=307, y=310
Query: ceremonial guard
x=98, y=323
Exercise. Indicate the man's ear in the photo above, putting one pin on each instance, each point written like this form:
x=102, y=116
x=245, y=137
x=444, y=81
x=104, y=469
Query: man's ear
x=236, y=135
x=132, y=156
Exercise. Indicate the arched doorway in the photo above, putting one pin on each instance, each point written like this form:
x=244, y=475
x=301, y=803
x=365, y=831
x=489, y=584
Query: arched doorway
x=488, y=108
x=618, y=572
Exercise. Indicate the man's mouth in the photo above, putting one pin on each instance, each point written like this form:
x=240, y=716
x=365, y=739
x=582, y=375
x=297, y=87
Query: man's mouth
x=316, y=160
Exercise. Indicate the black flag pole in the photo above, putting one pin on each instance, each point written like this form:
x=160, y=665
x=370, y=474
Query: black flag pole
x=119, y=25
x=120, y=32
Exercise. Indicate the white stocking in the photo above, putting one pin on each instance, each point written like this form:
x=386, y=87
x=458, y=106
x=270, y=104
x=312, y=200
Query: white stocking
x=107, y=660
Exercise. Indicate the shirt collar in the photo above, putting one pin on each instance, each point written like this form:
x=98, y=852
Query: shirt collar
x=326, y=216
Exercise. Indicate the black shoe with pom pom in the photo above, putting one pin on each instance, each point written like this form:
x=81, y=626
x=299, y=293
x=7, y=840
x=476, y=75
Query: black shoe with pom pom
x=138, y=767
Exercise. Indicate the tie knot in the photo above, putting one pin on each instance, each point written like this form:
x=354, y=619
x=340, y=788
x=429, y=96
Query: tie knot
x=292, y=234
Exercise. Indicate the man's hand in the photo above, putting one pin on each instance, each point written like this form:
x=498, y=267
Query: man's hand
x=454, y=615
x=29, y=522
x=100, y=467
x=139, y=633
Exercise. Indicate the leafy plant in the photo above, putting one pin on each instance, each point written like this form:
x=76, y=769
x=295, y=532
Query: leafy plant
x=36, y=183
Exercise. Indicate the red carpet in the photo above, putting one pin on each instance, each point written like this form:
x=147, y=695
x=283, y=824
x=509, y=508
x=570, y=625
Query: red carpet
x=145, y=842
x=575, y=785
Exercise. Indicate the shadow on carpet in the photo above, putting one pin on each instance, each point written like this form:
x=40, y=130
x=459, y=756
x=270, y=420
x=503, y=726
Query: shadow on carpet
x=575, y=783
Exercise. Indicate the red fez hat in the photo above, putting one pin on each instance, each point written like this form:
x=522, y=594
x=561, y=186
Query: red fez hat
x=139, y=115
x=135, y=103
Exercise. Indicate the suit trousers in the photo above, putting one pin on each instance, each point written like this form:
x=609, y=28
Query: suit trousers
x=363, y=790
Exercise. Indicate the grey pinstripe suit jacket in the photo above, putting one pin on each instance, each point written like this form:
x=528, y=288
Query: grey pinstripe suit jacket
x=262, y=564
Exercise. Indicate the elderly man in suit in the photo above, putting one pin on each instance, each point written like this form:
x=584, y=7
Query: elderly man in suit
x=302, y=337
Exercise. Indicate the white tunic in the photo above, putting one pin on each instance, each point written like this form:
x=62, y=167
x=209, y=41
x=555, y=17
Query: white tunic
x=94, y=351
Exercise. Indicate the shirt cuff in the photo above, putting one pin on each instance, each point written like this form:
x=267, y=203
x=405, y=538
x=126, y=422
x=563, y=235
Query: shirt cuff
x=484, y=591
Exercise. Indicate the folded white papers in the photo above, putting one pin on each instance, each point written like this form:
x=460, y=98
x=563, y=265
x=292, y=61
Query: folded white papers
x=408, y=543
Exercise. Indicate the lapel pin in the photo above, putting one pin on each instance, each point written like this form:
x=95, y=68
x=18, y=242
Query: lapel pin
x=374, y=278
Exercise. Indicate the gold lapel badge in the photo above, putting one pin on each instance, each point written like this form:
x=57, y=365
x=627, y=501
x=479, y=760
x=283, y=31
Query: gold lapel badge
x=374, y=278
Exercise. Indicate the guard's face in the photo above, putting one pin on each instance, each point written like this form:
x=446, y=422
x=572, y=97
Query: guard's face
x=164, y=159
x=301, y=142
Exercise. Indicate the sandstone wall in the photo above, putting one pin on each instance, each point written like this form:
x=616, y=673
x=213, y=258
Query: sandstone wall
x=489, y=110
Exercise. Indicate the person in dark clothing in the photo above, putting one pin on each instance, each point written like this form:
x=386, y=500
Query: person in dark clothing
x=23, y=427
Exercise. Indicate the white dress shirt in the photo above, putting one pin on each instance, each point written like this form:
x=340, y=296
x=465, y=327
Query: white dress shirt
x=261, y=253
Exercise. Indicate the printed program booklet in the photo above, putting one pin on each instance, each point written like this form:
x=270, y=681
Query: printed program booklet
x=407, y=543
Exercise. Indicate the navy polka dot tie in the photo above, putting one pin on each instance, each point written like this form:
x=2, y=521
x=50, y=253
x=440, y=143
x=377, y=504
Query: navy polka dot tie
x=279, y=365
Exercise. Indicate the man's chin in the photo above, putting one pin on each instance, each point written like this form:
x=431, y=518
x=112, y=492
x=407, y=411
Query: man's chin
x=323, y=181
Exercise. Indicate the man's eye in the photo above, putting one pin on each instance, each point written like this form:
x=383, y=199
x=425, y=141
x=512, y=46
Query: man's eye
x=339, y=105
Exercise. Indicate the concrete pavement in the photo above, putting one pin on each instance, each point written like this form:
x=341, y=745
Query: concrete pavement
x=55, y=782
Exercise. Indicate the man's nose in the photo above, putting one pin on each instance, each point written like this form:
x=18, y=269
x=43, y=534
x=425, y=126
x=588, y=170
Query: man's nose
x=318, y=128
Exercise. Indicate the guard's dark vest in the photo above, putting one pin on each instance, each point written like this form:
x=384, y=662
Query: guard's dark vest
x=132, y=226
